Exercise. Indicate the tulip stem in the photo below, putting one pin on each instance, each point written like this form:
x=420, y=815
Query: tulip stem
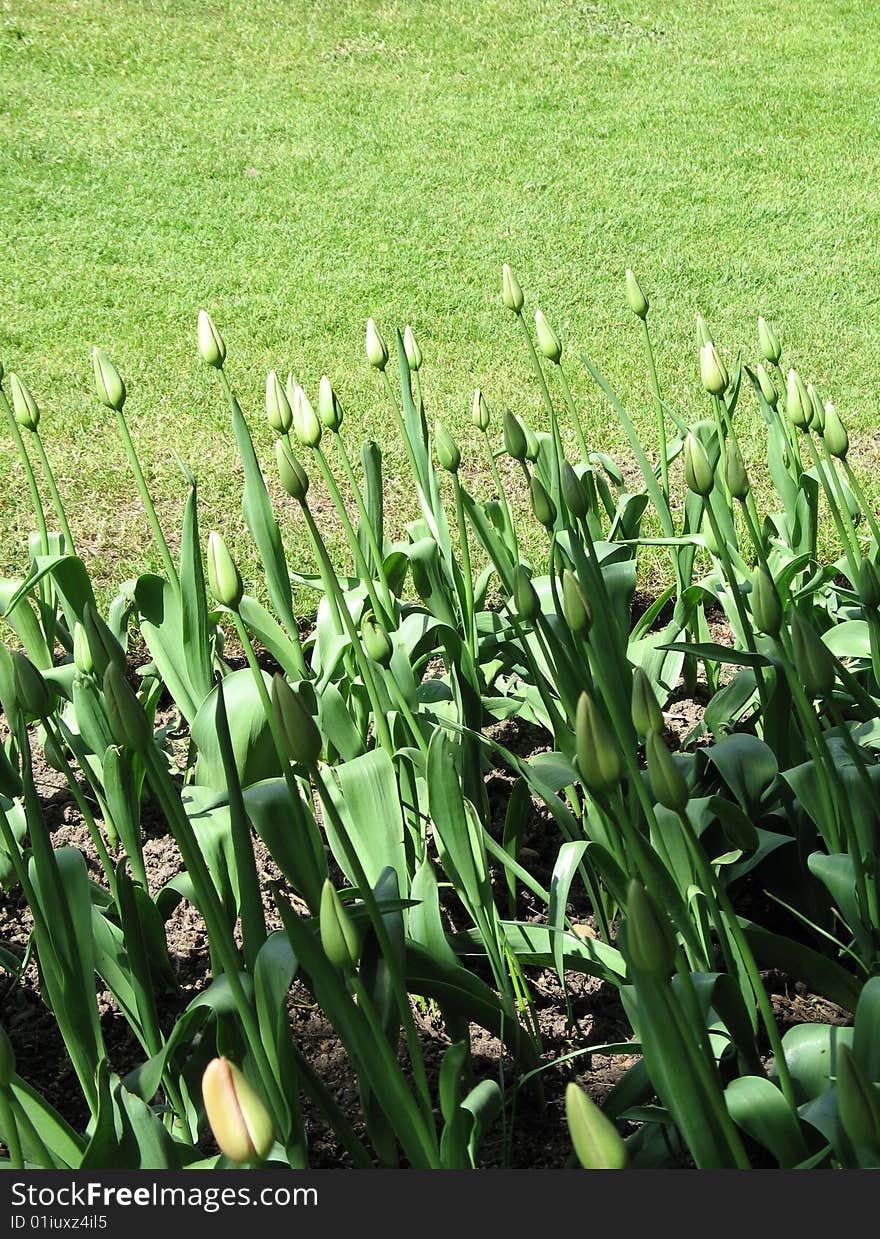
x=29, y=473
x=53, y=491
x=470, y=620
x=366, y=523
x=149, y=506
x=862, y=498
x=661, y=419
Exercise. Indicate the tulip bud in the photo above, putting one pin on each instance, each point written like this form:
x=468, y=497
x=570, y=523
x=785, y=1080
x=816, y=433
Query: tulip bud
x=817, y=410
x=412, y=350
x=480, y=411
x=224, y=580
x=293, y=476
x=704, y=335
x=533, y=448
x=27, y=414
x=638, y=302
x=511, y=292
x=377, y=353
x=645, y=709
x=771, y=349
x=300, y=733
x=446, y=449
x=813, y=660
x=797, y=402
x=575, y=607
x=339, y=936
x=525, y=598
x=542, y=505
x=10, y=778
x=858, y=1103
x=667, y=782
x=7, y=1059
x=127, y=717
x=239, y=1120
x=306, y=426
x=514, y=437
x=32, y=693
x=329, y=407
x=834, y=433
x=598, y=755
x=597, y=1142
x=766, y=605
x=868, y=586
x=211, y=345
x=548, y=341
x=104, y=648
x=650, y=941
x=290, y=387
x=377, y=642
x=574, y=492
x=712, y=370
x=108, y=381
x=278, y=411
x=82, y=655
x=698, y=473
x=735, y=474
x=768, y=387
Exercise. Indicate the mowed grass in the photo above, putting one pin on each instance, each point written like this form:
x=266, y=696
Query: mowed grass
x=297, y=167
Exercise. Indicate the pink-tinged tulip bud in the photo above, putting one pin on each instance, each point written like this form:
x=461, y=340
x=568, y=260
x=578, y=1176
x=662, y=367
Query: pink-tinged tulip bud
x=211, y=345
x=239, y=1120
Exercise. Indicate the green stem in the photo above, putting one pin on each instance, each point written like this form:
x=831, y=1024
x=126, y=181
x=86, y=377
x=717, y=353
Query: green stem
x=10, y=1129
x=54, y=492
x=860, y=495
x=149, y=507
x=470, y=620
x=573, y=413
x=661, y=420
x=366, y=523
x=29, y=473
x=852, y=563
x=85, y=811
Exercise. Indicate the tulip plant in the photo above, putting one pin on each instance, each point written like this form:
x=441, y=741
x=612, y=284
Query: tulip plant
x=358, y=755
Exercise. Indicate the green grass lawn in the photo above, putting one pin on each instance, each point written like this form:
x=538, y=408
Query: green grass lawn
x=296, y=167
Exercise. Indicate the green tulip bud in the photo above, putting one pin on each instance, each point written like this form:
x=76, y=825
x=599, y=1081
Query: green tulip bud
x=766, y=604
x=817, y=410
x=104, y=647
x=813, y=660
x=548, y=341
x=575, y=608
x=533, y=448
x=446, y=449
x=771, y=349
x=698, y=473
x=511, y=292
x=480, y=411
x=339, y=935
x=82, y=655
x=10, y=778
x=858, y=1102
x=224, y=580
x=638, y=302
x=667, y=782
x=32, y=692
x=598, y=755
x=127, y=717
x=712, y=370
x=868, y=586
x=768, y=387
x=108, y=381
x=798, y=408
x=735, y=474
x=25, y=408
x=542, y=505
x=278, y=411
x=306, y=425
x=514, y=437
x=376, y=640
x=834, y=433
x=329, y=407
x=645, y=709
x=597, y=1142
x=411, y=348
x=377, y=353
x=290, y=387
x=211, y=345
x=7, y=1059
x=650, y=941
x=302, y=739
x=525, y=598
x=293, y=476
x=704, y=335
x=574, y=492
x=238, y=1118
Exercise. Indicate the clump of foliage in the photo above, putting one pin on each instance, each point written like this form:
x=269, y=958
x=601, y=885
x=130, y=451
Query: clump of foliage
x=361, y=766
